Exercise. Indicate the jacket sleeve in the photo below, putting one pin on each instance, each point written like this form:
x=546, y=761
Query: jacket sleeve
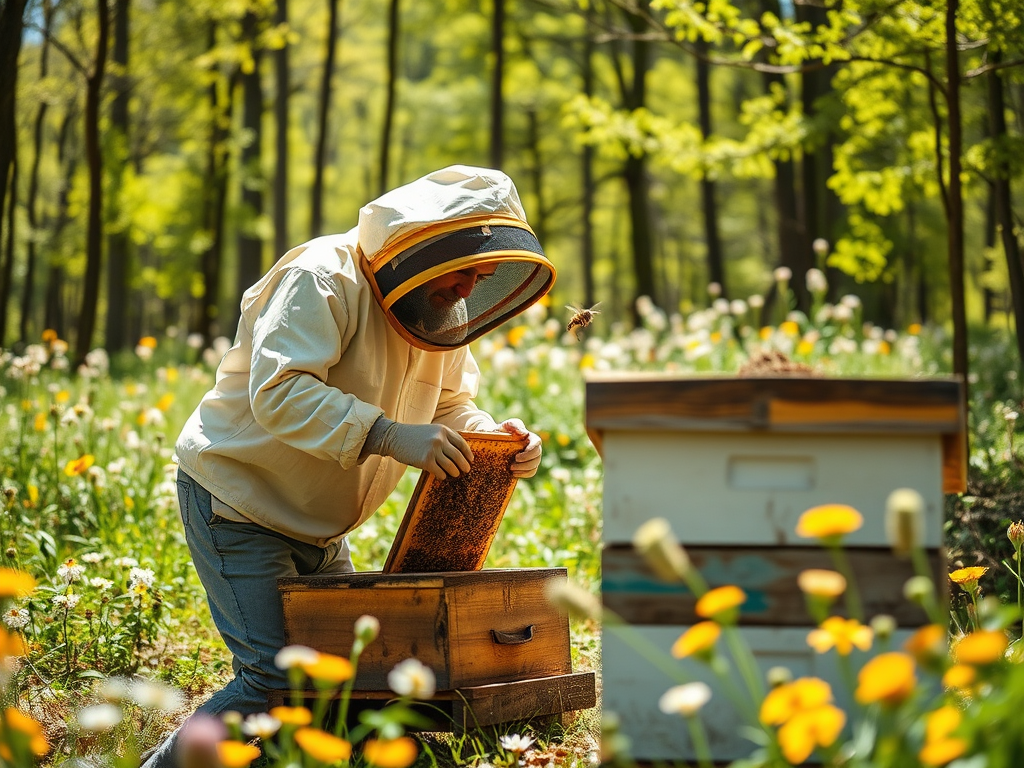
x=297, y=337
x=461, y=384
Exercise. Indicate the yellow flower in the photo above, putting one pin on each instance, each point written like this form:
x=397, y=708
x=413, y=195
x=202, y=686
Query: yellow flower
x=805, y=347
x=981, y=647
x=938, y=753
x=887, y=678
x=329, y=668
x=914, y=328
x=39, y=422
x=129, y=502
x=790, y=328
x=1015, y=533
x=17, y=720
x=236, y=754
x=716, y=336
x=11, y=644
x=516, y=334
x=941, y=722
x=842, y=634
x=968, y=577
x=63, y=396
x=49, y=335
x=292, y=715
x=391, y=753
x=829, y=522
x=78, y=466
x=587, y=361
x=533, y=379
x=148, y=342
x=820, y=727
x=698, y=640
x=928, y=644
x=721, y=604
x=15, y=583
x=323, y=746
x=884, y=347
x=784, y=701
x=959, y=677
x=165, y=402
x=765, y=333
x=33, y=496
x=818, y=582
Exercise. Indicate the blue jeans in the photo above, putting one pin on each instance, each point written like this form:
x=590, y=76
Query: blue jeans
x=239, y=565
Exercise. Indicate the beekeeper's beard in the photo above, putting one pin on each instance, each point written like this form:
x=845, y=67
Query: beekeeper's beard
x=444, y=323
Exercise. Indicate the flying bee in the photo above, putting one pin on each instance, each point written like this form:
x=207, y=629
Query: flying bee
x=581, y=318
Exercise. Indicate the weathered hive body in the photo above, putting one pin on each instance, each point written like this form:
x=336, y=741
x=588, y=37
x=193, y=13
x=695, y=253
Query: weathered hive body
x=732, y=464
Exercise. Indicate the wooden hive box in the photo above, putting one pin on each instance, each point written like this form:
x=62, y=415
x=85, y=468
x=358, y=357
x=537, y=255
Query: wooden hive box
x=498, y=649
x=732, y=463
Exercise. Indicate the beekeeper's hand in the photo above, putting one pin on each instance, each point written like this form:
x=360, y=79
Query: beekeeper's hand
x=434, y=448
x=527, y=461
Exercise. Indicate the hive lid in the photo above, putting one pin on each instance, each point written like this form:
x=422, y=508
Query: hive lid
x=449, y=524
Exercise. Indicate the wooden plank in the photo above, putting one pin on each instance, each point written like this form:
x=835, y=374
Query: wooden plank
x=767, y=575
x=483, y=705
x=524, y=700
x=378, y=580
x=507, y=633
x=413, y=624
x=787, y=404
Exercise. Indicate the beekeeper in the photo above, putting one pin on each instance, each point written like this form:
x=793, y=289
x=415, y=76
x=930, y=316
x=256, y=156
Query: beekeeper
x=350, y=363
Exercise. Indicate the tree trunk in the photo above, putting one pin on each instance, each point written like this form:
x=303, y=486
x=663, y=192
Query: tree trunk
x=54, y=315
x=216, y=175
x=281, y=241
x=715, y=257
x=94, y=159
x=497, y=94
x=7, y=271
x=28, y=284
x=636, y=174
x=117, y=241
x=250, y=245
x=1003, y=198
x=539, y=218
x=955, y=198
x=316, y=222
x=587, y=174
x=389, y=104
x=11, y=24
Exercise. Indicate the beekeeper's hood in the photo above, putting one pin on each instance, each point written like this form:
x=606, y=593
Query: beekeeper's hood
x=458, y=219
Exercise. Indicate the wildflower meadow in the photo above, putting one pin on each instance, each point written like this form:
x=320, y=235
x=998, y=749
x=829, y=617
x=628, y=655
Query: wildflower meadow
x=107, y=642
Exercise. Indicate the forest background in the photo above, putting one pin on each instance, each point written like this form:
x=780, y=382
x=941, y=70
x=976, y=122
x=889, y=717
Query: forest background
x=159, y=156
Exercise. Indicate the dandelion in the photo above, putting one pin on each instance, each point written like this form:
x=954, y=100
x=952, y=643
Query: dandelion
x=99, y=718
x=841, y=634
x=516, y=743
x=70, y=571
x=328, y=668
x=821, y=583
x=887, y=678
x=698, y=640
x=816, y=281
x=981, y=647
x=15, y=583
x=818, y=727
x=164, y=403
x=295, y=656
x=1015, y=533
x=16, y=618
x=17, y=720
x=236, y=754
x=657, y=544
x=141, y=576
x=411, y=678
x=959, y=677
x=78, y=466
x=904, y=520
x=393, y=753
x=829, y=522
x=261, y=725
x=686, y=700
x=366, y=629
x=67, y=602
x=323, y=746
x=721, y=604
x=968, y=578
x=782, y=274
x=150, y=694
x=292, y=715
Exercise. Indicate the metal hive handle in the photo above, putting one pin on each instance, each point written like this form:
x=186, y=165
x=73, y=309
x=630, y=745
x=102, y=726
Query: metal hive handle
x=524, y=635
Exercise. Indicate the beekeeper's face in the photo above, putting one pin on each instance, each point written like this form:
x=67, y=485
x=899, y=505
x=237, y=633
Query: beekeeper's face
x=447, y=289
